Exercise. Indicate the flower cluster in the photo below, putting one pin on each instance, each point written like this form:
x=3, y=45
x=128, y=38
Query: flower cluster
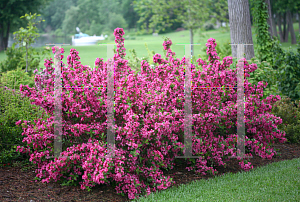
x=149, y=110
x=167, y=43
x=120, y=42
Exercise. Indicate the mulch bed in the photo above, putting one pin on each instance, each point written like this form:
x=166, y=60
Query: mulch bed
x=18, y=185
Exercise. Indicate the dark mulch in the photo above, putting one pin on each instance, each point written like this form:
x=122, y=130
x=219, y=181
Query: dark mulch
x=18, y=185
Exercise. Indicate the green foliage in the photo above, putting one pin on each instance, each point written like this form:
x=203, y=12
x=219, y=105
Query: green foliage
x=24, y=57
x=11, y=10
x=71, y=21
x=150, y=55
x=14, y=108
x=116, y=20
x=287, y=64
x=208, y=26
x=54, y=13
x=155, y=14
x=289, y=112
x=95, y=28
x=129, y=13
x=266, y=73
x=298, y=44
x=222, y=50
x=59, y=32
x=13, y=79
x=91, y=16
x=135, y=62
x=16, y=59
x=264, y=42
x=27, y=36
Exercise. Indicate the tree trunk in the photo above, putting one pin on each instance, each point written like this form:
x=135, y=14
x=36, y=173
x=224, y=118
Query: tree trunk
x=4, y=36
x=279, y=27
x=191, y=41
x=274, y=26
x=26, y=58
x=269, y=20
x=240, y=27
x=1, y=38
x=292, y=31
x=285, y=28
x=299, y=21
x=147, y=28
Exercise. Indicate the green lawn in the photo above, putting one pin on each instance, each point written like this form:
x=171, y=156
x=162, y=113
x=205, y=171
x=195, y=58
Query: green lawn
x=88, y=54
x=278, y=181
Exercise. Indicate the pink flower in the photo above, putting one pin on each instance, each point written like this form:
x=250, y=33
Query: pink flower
x=153, y=95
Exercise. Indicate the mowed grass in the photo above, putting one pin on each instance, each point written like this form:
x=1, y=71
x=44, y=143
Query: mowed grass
x=88, y=54
x=278, y=181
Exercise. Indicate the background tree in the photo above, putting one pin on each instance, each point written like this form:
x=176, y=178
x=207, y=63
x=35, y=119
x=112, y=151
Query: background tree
x=290, y=25
x=71, y=21
x=10, y=13
x=240, y=27
x=284, y=11
x=275, y=33
x=192, y=13
x=220, y=10
x=269, y=19
x=27, y=36
x=144, y=10
x=263, y=28
x=116, y=20
x=54, y=14
x=129, y=14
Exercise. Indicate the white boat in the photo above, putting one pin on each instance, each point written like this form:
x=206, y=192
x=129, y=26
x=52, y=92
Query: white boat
x=82, y=39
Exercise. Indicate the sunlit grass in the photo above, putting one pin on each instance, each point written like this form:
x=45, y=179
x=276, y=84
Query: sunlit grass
x=88, y=54
x=278, y=181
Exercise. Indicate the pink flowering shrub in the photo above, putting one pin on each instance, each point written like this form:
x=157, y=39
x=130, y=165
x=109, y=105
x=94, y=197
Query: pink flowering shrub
x=149, y=126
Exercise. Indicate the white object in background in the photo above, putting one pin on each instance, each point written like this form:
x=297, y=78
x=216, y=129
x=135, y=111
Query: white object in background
x=84, y=39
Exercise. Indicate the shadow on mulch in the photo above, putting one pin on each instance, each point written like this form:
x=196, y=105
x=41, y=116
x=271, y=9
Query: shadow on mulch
x=19, y=185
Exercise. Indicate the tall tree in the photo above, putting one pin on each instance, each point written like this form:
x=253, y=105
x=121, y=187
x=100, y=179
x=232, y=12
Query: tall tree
x=281, y=8
x=279, y=20
x=240, y=26
x=269, y=20
x=129, y=14
x=71, y=21
x=10, y=13
x=145, y=12
x=273, y=20
x=28, y=35
x=290, y=25
x=263, y=30
x=193, y=14
x=299, y=20
x=220, y=10
x=286, y=27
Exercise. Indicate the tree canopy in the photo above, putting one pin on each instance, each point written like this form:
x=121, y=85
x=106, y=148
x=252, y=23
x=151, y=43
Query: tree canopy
x=10, y=13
